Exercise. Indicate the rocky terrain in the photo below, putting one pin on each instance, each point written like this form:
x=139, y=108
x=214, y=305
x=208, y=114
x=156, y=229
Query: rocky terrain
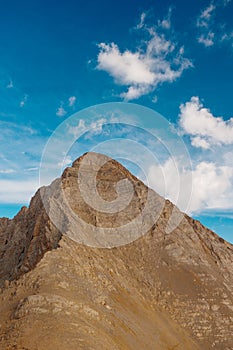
x=67, y=286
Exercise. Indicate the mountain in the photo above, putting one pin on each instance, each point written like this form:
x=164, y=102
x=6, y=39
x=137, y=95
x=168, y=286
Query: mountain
x=78, y=270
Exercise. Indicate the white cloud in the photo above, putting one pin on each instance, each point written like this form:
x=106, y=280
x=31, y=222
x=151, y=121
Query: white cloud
x=10, y=85
x=227, y=38
x=71, y=101
x=212, y=185
x=207, y=39
x=201, y=124
x=197, y=142
x=32, y=169
x=79, y=129
x=212, y=174
x=97, y=126
x=13, y=191
x=204, y=22
x=67, y=161
x=134, y=92
x=23, y=101
x=211, y=31
x=166, y=22
x=20, y=156
x=140, y=25
x=61, y=112
x=206, y=15
x=94, y=128
x=127, y=68
x=7, y=171
x=158, y=60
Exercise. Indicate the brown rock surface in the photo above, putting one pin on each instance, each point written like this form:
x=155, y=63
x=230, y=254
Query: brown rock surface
x=25, y=239
x=161, y=291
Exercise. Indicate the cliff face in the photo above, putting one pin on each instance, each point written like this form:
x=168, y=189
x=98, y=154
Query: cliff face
x=158, y=291
x=25, y=239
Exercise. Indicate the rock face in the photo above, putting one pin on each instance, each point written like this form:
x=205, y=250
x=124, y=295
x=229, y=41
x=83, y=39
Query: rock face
x=25, y=239
x=159, y=291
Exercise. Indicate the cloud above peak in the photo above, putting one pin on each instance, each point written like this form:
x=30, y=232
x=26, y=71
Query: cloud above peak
x=156, y=61
x=127, y=67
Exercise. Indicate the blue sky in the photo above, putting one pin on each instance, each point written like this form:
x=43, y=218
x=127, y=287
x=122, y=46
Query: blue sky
x=176, y=58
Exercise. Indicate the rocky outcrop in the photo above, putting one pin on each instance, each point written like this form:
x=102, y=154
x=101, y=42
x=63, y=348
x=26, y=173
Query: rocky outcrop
x=159, y=291
x=25, y=239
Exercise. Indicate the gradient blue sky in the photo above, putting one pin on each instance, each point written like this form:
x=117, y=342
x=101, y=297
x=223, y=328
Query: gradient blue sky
x=58, y=57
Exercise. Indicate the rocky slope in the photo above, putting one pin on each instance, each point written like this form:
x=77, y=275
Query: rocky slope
x=158, y=291
x=25, y=239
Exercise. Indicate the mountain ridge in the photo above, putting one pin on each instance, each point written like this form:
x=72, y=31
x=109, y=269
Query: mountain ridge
x=183, y=279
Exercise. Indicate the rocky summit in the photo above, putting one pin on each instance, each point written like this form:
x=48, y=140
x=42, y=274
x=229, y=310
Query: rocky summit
x=100, y=261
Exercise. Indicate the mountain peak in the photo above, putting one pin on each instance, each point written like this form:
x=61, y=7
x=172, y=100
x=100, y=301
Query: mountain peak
x=148, y=289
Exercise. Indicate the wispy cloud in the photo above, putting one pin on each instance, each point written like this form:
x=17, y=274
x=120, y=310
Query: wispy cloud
x=71, y=101
x=64, y=107
x=166, y=22
x=204, y=23
x=20, y=155
x=15, y=191
x=67, y=161
x=23, y=101
x=206, y=15
x=211, y=29
x=207, y=39
x=61, y=112
x=141, y=23
x=156, y=61
x=31, y=169
x=94, y=128
x=10, y=85
x=155, y=99
x=7, y=171
x=227, y=37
